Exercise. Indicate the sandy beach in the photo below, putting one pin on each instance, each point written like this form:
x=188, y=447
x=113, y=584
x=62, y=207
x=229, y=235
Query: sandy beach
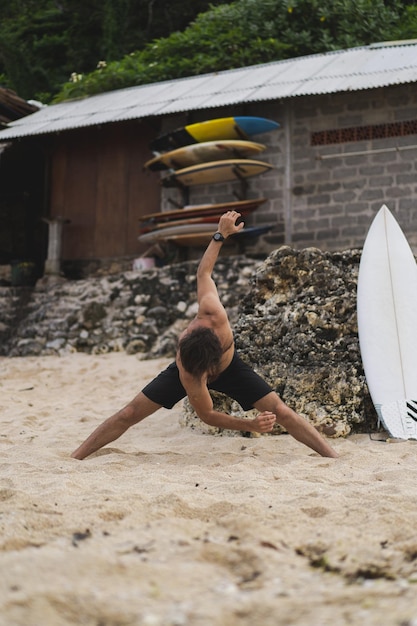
x=172, y=527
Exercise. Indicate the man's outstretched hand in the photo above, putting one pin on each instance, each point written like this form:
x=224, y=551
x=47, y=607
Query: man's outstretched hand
x=264, y=422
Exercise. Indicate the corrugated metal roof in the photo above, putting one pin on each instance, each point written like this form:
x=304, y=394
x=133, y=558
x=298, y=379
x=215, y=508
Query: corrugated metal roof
x=378, y=65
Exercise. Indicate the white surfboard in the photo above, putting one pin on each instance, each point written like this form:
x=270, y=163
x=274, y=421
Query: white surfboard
x=387, y=324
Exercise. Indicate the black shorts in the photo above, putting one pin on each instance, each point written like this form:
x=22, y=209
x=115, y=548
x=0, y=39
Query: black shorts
x=238, y=381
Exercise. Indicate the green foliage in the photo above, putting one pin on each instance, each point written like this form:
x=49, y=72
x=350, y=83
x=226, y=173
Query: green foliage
x=407, y=25
x=4, y=82
x=43, y=42
x=74, y=48
x=34, y=63
x=336, y=24
x=248, y=32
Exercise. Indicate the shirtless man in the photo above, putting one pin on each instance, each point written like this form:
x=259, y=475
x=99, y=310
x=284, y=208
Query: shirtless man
x=206, y=359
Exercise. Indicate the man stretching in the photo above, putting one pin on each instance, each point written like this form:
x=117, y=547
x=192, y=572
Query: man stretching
x=206, y=359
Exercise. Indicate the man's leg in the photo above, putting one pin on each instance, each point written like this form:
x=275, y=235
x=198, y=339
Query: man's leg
x=134, y=412
x=298, y=427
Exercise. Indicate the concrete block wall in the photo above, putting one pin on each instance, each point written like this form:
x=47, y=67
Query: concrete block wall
x=336, y=192
x=324, y=196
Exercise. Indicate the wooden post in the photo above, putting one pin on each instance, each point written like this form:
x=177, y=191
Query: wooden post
x=53, y=261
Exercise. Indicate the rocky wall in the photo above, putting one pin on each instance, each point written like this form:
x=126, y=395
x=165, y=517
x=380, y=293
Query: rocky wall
x=135, y=311
x=294, y=317
x=298, y=327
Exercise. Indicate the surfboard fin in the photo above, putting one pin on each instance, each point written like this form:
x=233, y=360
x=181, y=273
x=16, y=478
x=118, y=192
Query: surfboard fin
x=400, y=418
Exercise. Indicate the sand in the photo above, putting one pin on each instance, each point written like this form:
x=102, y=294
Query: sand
x=172, y=527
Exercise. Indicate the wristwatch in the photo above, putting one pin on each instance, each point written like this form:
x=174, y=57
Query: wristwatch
x=218, y=237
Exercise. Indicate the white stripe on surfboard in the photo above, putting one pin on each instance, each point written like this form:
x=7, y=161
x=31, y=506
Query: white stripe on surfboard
x=389, y=257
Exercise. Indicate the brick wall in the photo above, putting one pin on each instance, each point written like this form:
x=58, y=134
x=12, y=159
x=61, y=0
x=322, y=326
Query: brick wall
x=326, y=195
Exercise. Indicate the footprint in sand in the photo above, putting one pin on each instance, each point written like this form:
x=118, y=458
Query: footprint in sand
x=316, y=511
x=6, y=494
x=112, y=516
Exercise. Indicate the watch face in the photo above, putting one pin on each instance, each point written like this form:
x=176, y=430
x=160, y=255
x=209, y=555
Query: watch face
x=218, y=237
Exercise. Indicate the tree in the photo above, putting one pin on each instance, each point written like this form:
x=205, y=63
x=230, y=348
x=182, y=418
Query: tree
x=72, y=48
x=43, y=42
x=247, y=32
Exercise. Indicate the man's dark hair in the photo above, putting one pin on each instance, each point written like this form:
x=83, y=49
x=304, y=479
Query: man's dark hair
x=200, y=352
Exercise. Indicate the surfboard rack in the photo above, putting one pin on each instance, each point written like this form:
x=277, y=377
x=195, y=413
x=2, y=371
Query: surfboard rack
x=214, y=151
x=185, y=194
x=177, y=205
x=239, y=132
x=185, y=189
x=244, y=185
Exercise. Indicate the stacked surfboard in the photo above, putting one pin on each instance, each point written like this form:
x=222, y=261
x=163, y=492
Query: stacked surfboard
x=210, y=152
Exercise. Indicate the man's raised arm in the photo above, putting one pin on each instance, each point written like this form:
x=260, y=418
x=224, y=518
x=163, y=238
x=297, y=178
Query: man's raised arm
x=226, y=227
